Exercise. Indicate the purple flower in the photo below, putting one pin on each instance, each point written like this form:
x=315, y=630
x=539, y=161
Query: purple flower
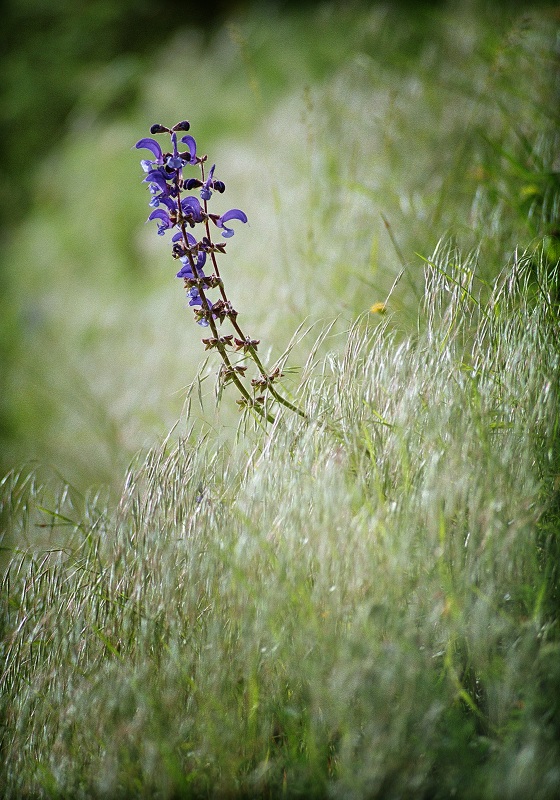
x=192, y=210
x=191, y=144
x=205, y=192
x=233, y=213
x=175, y=161
x=186, y=270
x=153, y=146
x=158, y=177
x=196, y=300
x=164, y=222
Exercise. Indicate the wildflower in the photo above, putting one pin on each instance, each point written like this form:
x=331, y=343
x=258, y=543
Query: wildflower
x=192, y=210
x=195, y=299
x=163, y=218
x=209, y=184
x=153, y=146
x=174, y=209
x=234, y=213
x=191, y=144
x=378, y=308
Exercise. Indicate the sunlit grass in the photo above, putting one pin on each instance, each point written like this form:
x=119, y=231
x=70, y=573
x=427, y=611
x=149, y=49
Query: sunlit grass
x=358, y=606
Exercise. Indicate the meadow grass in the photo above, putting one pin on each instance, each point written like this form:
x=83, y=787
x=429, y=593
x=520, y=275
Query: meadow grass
x=359, y=605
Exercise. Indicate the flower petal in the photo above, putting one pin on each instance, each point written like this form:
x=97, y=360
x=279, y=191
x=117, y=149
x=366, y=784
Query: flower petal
x=206, y=191
x=159, y=213
x=233, y=213
x=150, y=144
x=155, y=176
x=163, y=220
x=192, y=208
x=191, y=144
x=185, y=272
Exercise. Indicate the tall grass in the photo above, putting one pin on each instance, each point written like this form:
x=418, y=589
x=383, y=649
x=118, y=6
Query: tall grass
x=358, y=607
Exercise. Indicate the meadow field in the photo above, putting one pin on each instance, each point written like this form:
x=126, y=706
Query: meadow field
x=360, y=601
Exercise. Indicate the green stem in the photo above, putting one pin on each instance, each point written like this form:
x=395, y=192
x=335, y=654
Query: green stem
x=212, y=322
x=251, y=350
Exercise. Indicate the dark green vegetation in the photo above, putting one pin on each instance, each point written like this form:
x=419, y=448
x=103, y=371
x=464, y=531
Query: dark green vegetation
x=364, y=606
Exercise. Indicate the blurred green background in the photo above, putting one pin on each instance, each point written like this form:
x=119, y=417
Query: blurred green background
x=321, y=118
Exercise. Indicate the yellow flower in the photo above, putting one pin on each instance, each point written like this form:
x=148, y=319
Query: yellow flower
x=378, y=308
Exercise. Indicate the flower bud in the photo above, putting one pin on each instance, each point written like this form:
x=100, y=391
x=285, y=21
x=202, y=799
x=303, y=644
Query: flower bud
x=157, y=128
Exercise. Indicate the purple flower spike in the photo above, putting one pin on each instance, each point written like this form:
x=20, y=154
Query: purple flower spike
x=174, y=210
x=179, y=203
x=233, y=213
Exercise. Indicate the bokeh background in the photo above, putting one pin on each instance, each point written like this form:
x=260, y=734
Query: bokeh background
x=323, y=118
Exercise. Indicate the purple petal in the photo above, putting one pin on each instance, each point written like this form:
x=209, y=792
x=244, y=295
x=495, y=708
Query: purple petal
x=206, y=192
x=155, y=176
x=168, y=201
x=150, y=144
x=233, y=213
x=192, y=207
x=159, y=213
x=191, y=144
x=174, y=162
x=185, y=272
